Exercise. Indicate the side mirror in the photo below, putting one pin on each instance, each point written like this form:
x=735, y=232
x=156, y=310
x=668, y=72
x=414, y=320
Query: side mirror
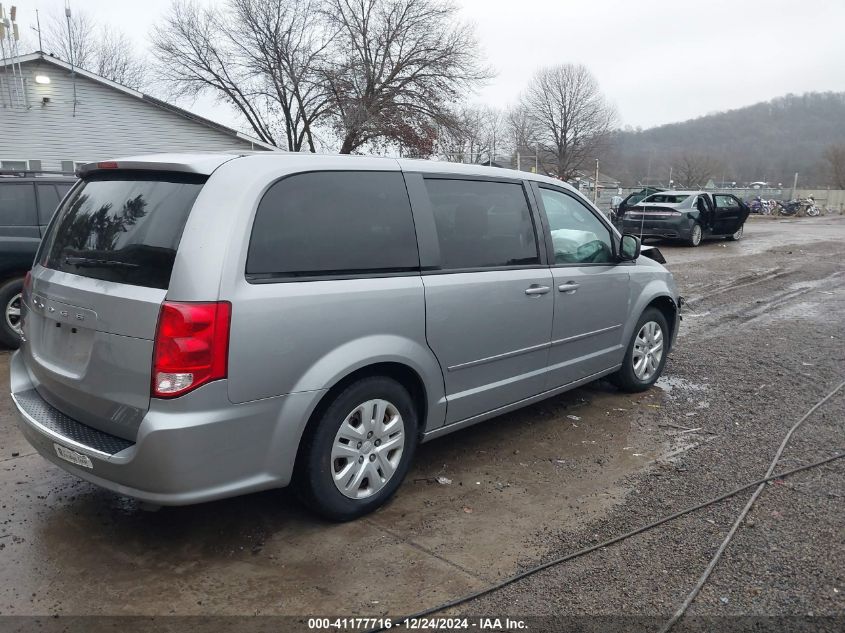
x=629, y=247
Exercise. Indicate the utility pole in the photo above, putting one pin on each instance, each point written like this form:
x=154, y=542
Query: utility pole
x=670, y=176
x=518, y=166
x=596, y=184
x=794, y=186
x=537, y=159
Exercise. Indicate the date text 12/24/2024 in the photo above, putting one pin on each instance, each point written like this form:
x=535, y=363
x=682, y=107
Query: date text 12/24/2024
x=417, y=624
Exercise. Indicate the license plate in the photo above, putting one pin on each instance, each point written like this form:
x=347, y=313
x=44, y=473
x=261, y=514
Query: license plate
x=73, y=457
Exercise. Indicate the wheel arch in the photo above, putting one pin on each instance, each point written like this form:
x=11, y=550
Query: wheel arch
x=656, y=293
x=402, y=373
x=669, y=309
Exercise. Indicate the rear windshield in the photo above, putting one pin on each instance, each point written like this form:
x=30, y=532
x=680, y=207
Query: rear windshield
x=123, y=227
x=669, y=198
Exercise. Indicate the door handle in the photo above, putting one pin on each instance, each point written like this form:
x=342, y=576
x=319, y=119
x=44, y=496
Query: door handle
x=537, y=290
x=569, y=286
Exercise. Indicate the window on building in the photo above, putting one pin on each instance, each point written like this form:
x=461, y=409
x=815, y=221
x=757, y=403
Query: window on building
x=14, y=165
x=70, y=166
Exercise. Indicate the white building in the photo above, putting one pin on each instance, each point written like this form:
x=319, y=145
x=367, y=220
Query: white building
x=53, y=119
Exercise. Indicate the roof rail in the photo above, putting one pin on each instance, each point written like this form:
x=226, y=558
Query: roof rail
x=25, y=173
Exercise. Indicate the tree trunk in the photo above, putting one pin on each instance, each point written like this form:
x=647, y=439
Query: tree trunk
x=349, y=144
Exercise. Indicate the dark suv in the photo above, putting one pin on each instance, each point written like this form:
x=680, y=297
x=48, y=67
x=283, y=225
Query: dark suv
x=27, y=202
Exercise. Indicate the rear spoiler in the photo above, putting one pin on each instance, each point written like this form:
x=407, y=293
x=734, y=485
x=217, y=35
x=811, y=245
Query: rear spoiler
x=201, y=164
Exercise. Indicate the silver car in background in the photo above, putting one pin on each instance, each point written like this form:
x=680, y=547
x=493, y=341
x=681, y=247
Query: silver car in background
x=202, y=326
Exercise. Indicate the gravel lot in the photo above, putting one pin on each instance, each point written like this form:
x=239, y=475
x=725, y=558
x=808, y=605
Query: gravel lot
x=761, y=342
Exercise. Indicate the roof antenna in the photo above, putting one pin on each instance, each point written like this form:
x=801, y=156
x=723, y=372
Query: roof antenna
x=3, y=55
x=38, y=29
x=9, y=35
x=71, y=52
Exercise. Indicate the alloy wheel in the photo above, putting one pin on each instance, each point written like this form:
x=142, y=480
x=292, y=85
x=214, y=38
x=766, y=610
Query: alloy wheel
x=648, y=351
x=367, y=449
x=696, y=235
x=13, y=313
x=738, y=234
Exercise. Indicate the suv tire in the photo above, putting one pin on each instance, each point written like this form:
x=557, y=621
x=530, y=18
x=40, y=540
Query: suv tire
x=9, y=298
x=642, y=348
x=351, y=462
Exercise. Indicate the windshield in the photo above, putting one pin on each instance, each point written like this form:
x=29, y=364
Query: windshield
x=667, y=198
x=123, y=227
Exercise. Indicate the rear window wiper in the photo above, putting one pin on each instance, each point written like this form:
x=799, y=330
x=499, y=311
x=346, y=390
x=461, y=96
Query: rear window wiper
x=93, y=261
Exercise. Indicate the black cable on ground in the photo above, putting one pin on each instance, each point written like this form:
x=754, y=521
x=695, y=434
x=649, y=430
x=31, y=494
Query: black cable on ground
x=712, y=565
x=529, y=572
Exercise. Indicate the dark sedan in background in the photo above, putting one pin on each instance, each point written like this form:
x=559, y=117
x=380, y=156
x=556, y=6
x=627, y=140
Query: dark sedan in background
x=690, y=216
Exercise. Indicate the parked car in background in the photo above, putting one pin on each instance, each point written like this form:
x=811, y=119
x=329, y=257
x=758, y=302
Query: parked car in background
x=691, y=216
x=238, y=323
x=633, y=198
x=27, y=202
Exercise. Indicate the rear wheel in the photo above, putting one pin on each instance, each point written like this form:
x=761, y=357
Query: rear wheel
x=10, y=300
x=696, y=235
x=646, y=354
x=736, y=236
x=359, y=451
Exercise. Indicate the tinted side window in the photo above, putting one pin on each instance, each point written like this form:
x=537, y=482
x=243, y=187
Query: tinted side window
x=578, y=236
x=17, y=204
x=48, y=200
x=482, y=224
x=334, y=223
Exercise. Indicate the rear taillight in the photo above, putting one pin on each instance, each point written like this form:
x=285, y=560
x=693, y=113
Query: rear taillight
x=191, y=346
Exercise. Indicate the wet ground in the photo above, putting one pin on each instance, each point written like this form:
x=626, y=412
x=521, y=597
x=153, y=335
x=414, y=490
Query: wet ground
x=762, y=341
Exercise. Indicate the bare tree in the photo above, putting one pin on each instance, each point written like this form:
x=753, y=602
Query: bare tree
x=694, y=170
x=98, y=48
x=569, y=115
x=520, y=128
x=475, y=135
x=73, y=41
x=397, y=69
x=262, y=57
x=834, y=157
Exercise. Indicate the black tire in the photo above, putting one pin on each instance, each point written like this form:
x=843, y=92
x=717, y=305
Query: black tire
x=696, y=235
x=8, y=336
x=624, y=377
x=313, y=476
x=738, y=235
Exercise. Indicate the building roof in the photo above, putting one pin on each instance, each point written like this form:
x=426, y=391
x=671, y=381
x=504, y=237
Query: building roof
x=60, y=63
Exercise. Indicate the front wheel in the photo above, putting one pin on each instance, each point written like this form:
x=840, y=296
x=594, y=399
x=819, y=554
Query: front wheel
x=359, y=451
x=696, y=235
x=646, y=354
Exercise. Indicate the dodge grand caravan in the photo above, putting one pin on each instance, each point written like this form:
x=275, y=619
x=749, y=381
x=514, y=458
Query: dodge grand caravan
x=202, y=326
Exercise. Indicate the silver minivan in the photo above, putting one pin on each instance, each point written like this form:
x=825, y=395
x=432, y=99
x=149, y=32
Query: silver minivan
x=202, y=326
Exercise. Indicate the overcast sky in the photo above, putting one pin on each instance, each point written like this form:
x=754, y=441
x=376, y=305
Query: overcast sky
x=658, y=61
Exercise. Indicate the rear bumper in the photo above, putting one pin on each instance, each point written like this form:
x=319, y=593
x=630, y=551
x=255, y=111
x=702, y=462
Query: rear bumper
x=669, y=228
x=197, y=448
